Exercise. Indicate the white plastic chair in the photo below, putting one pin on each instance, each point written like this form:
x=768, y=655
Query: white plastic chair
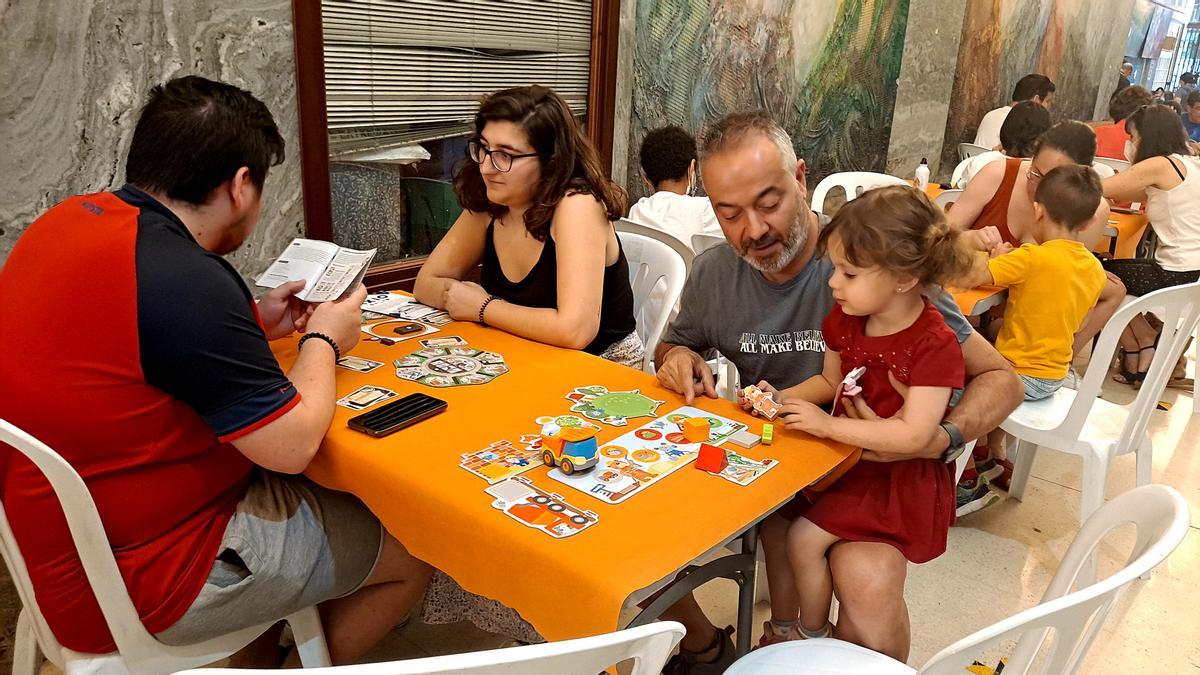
x=649, y=645
x=656, y=273
x=946, y=198
x=1079, y=422
x=1161, y=517
x=683, y=248
x=1117, y=165
x=137, y=650
x=702, y=242
x=853, y=182
x=966, y=150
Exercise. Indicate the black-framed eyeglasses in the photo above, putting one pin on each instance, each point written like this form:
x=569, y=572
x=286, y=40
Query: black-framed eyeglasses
x=502, y=160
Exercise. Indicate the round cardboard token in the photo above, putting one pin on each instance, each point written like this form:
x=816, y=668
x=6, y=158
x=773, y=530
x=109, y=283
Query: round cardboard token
x=677, y=439
x=614, y=451
x=648, y=434
x=645, y=456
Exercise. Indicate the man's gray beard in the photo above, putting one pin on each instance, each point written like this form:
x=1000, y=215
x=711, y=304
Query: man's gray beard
x=792, y=246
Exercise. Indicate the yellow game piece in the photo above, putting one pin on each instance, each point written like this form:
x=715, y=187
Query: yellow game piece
x=768, y=433
x=695, y=429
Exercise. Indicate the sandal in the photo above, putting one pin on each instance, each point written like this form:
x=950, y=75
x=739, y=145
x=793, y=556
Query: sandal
x=1127, y=376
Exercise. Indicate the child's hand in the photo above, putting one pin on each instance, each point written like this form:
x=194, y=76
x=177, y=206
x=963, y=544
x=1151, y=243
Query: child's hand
x=804, y=416
x=1000, y=249
x=748, y=405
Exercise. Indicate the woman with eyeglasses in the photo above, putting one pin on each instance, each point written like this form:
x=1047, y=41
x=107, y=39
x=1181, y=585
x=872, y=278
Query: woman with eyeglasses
x=537, y=216
x=1166, y=177
x=998, y=205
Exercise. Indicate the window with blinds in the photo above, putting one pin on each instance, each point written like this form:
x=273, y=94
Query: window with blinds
x=405, y=72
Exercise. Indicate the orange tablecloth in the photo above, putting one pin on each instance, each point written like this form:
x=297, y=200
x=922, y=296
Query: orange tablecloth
x=566, y=588
x=976, y=301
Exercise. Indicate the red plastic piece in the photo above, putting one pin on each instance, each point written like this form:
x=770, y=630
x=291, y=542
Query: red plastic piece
x=711, y=459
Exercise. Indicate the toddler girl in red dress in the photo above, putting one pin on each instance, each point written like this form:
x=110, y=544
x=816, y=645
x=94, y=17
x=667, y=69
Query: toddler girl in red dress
x=887, y=247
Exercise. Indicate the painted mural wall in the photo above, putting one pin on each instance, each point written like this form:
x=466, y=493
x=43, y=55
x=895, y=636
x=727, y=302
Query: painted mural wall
x=1076, y=43
x=827, y=69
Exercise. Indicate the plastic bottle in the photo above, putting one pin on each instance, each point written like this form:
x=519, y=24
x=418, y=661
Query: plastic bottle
x=923, y=175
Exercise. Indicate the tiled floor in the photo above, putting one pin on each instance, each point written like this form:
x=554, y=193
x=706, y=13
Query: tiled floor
x=999, y=561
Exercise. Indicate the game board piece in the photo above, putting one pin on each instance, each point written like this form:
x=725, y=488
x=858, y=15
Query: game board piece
x=711, y=458
x=847, y=387
x=450, y=365
x=768, y=434
x=502, y=459
x=365, y=397
x=743, y=470
x=745, y=439
x=762, y=401
x=640, y=457
x=384, y=329
x=695, y=429
x=566, y=421
x=611, y=407
x=571, y=449
x=358, y=364
x=532, y=506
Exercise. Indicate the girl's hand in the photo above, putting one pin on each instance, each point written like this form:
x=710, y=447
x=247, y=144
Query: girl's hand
x=748, y=405
x=805, y=416
x=463, y=300
x=1000, y=249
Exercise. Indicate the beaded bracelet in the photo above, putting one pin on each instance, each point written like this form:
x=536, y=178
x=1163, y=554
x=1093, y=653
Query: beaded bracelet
x=337, y=352
x=482, y=307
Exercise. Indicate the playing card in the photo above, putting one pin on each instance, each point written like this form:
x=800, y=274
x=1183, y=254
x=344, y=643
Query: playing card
x=358, y=364
x=448, y=341
x=365, y=397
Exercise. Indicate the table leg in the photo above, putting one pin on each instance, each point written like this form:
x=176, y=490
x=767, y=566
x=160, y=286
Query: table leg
x=740, y=567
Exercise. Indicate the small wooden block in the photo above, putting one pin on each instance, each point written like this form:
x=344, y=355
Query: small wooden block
x=695, y=429
x=744, y=439
x=768, y=434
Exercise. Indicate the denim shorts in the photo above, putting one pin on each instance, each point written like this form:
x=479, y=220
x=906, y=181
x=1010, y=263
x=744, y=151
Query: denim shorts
x=1038, y=388
x=290, y=544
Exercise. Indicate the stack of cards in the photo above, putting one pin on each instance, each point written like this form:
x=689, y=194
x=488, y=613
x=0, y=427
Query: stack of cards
x=365, y=397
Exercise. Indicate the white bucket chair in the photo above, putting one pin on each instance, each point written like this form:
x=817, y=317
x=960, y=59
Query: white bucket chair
x=1081, y=423
x=1117, y=165
x=648, y=645
x=853, y=182
x=1161, y=517
x=946, y=198
x=683, y=248
x=966, y=150
x=656, y=273
x=137, y=650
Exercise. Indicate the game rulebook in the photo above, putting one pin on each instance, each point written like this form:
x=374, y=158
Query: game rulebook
x=328, y=268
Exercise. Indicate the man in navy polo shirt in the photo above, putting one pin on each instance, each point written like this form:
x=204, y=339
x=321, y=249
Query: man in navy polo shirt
x=159, y=387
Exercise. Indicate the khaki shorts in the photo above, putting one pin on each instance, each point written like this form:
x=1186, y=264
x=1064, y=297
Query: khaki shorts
x=290, y=544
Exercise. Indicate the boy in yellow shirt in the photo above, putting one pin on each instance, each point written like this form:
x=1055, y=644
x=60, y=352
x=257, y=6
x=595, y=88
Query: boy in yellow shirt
x=1052, y=284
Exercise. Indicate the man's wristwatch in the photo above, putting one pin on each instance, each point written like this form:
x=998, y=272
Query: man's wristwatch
x=957, y=442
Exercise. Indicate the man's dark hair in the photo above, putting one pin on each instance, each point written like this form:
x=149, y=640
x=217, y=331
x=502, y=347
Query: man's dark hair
x=1124, y=102
x=1070, y=195
x=1019, y=133
x=1193, y=98
x=1072, y=138
x=1188, y=78
x=194, y=134
x=1033, y=84
x=666, y=154
x=1160, y=132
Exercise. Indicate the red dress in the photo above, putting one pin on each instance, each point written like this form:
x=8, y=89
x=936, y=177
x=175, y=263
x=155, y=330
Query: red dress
x=908, y=504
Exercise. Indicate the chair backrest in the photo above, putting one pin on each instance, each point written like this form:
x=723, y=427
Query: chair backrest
x=853, y=182
x=702, y=242
x=946, y=198
x=91, y=542
x=656, y=273
x=966, y=150
x=683, y=248
x=1117, y=165
x=1179, y=309
x=1160, y=515
x=648, y=645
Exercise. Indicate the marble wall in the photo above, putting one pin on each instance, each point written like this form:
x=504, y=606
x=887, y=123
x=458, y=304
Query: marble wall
x=73, y=74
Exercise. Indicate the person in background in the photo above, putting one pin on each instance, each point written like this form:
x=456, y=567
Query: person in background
x=537, y=216
x=1111, y=139
x=1166, y=177
x=668, y=158
x=1033, y=87
x=1158, y=95
x=1053, y=282
x=1191, y=117
x=1187, y=85
x=181, y=422
x=1018, y=136
x=1123, y=75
